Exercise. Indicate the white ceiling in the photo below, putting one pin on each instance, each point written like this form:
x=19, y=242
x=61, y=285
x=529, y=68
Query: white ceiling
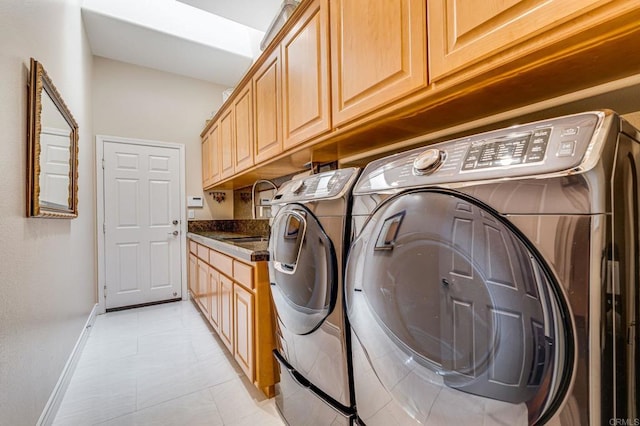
x=253, y=13
x=181, y=38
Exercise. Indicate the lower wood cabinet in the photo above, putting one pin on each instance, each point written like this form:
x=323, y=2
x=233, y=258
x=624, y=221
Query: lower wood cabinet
x=214, y=313
x=204, y=288
x=193, y=275
x=243, y=329
x=235, y=298
x=226, y=312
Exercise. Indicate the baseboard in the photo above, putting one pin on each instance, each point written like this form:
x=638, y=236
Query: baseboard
x=51, y=408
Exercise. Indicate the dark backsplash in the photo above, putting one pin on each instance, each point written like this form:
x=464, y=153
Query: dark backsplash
x=240, y=226
x=242, y=203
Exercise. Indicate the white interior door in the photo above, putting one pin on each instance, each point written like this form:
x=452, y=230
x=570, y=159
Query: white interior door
x=54, y=176
x=142, y=224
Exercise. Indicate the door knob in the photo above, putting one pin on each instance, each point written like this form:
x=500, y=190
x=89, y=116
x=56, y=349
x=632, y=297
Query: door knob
x=175, y=222
x=174, y=233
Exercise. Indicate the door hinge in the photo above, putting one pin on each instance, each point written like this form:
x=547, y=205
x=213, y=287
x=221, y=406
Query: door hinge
x=105, y=291
x=103, y=163
x=104, y=228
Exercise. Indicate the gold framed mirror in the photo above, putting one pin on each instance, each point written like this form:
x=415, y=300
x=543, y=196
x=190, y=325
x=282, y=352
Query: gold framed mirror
x=52, y=157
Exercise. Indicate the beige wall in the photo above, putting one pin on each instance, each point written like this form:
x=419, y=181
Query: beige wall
x=47, y=266
x=633, y=118
x=136, y=102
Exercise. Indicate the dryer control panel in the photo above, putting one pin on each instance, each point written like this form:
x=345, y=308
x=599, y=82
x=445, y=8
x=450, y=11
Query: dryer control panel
x=538, y=148
x=326, y=185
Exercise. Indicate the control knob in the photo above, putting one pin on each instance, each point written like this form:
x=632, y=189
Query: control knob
x=428, y=161
x=296, y=186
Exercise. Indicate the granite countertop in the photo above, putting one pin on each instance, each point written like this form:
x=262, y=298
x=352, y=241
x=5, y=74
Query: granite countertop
x=253, y=249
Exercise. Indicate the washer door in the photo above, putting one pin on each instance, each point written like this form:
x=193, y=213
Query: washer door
x=302, y=269
x=458, y=297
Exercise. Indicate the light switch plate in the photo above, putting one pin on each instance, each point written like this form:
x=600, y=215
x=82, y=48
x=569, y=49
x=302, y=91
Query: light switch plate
x=192, y=214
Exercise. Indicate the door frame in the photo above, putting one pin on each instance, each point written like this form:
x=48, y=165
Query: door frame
x=100, y=141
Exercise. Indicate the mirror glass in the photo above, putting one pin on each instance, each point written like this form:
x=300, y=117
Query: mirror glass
x=53, y=145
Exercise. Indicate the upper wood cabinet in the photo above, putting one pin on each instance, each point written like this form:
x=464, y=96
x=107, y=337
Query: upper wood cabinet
x=346, y=76
x=227, y=148
x=243, y=130
x=268, y=109
x=214, y=154
x=206, y=161
x=463, y=34
x=305, y=76
x=378, y=53
x=211, y=157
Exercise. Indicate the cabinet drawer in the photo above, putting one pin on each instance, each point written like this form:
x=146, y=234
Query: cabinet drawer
x=221, y=262
x=193, y=247
x=243, y=274
x=203, y=253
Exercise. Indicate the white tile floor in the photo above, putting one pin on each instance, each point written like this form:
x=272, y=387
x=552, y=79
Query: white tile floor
x=160, y=365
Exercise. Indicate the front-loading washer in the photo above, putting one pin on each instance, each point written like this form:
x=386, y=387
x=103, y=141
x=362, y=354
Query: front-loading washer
x=494, y=278
x=307, y=246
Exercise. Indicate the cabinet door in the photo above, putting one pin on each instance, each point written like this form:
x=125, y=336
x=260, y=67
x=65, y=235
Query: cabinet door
x=214, y=316
x=206, y=161
x=305, y=76
x=214, y=154
x=267, y=107
x=463, y=32
x=378, y=53
x=243, y=329
x=243, y=131
x=193, y=275
x=204, y=284
x=226, y=312
x=227, y=149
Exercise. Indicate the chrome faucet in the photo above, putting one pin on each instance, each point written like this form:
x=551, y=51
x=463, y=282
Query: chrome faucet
x=253, y=195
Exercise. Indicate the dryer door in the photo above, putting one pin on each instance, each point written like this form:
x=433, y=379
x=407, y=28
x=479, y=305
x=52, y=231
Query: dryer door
x=441, y=285
x=302, y=269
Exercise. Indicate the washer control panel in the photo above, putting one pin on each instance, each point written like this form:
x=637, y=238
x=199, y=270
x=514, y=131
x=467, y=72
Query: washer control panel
x=326, y=185
x=525, y=150
x=528, y=147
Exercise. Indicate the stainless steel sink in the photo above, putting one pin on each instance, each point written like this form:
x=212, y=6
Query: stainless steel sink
x=249, y=239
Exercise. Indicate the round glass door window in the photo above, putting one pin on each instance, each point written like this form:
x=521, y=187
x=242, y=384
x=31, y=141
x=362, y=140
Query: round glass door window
x=438, y=282
x=302, y=270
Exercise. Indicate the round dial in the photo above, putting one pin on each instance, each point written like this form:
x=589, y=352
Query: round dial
x=296, y=187
x=428, y=160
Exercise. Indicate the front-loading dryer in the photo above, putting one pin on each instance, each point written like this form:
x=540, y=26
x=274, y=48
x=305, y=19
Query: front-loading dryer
x=494, y=278
x=307, y=246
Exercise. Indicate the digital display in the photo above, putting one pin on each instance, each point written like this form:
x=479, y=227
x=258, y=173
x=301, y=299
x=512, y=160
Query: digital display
x=323, y=183
x=529, y=147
